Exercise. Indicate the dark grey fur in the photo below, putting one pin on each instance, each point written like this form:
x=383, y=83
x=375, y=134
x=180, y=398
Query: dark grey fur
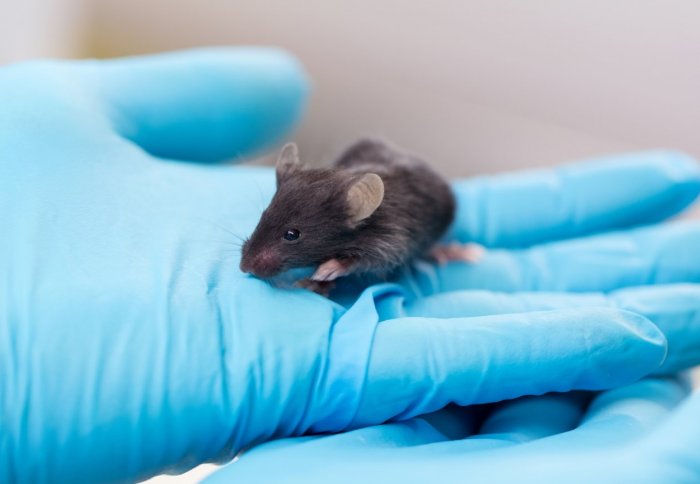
x=417, y=209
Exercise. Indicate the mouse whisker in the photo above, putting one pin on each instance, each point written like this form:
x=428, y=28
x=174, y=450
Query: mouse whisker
x=261, y=197
x=227, y=230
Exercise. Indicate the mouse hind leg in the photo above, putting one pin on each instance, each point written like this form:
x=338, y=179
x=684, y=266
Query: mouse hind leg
x=471, y=253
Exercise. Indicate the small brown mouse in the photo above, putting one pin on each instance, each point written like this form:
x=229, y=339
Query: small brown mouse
x=373, y=211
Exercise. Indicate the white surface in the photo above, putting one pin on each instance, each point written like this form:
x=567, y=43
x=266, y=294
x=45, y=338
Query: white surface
x=473, y=85
x=41, y=28
x=191, y=477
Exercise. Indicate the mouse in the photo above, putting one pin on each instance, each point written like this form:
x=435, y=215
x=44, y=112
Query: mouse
x=371, y=212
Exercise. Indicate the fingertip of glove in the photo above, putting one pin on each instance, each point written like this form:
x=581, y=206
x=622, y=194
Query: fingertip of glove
x=271, y=63
x=208, y=104
x=677, y=163
x=648, y=334
x=681, y=168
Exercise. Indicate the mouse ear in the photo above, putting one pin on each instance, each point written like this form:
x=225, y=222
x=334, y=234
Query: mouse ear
x=364, y=197
x=288, y=160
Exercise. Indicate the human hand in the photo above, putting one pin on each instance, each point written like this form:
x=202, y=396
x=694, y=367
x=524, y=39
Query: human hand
x=132, y=344
x=646, y=432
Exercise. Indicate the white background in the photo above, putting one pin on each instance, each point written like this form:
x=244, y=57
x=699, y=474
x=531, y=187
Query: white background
x=474, y=86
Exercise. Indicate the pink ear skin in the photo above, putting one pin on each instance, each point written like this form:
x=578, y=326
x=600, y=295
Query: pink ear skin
x=364, y=197
x=288, y=161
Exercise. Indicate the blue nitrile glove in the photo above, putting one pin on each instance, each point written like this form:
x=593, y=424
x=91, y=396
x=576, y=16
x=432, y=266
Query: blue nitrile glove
x=638, y=434
x=130, y=343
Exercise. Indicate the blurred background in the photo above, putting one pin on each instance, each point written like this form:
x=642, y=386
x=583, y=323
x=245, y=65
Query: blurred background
x=473, y=86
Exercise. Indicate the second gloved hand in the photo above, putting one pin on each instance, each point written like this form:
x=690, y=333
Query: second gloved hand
x=643, y=433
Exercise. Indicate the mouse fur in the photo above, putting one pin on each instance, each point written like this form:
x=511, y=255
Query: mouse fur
x=372, y=225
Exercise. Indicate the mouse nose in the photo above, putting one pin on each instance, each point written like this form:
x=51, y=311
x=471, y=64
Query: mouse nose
x=266, y=263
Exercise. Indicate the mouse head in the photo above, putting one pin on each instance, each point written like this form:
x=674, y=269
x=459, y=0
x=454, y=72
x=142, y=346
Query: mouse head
x=314, y=216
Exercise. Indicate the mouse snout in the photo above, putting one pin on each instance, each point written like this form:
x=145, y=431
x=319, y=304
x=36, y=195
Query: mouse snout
x=265, y=263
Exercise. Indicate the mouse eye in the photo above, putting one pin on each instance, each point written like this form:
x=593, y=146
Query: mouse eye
x=291, y=235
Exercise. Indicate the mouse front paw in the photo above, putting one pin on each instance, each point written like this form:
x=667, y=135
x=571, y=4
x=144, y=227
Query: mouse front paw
x=330, y=270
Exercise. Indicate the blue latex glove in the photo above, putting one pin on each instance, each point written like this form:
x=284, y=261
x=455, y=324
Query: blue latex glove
x=646, y=432
x=130, y=343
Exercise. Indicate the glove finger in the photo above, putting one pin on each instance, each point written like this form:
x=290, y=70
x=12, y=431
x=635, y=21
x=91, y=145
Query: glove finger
x=417, y=439
x=532, y=418
x=206, y=104
x=522, y=209
x=492, y=358
x=676, y=441
x=424, y=457
x=653, y=255
x=673, y=308
x=446, y=424
x=295, y=460
x=518, y=421
x=635, y=408
x=611, y=417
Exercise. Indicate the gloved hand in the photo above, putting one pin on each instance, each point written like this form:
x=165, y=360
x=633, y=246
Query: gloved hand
x=646, y=432
x=131, y=344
